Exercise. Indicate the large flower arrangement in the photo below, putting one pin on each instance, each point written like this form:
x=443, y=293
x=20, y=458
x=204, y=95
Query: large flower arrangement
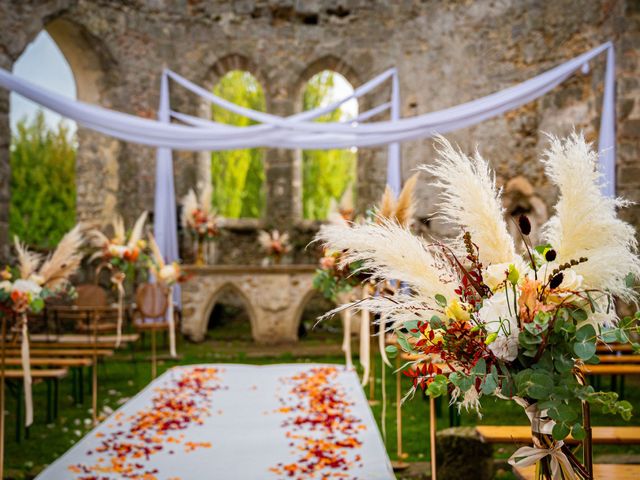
x=25, y=288
x=491, y=322
x=199, y=219
x=121, y=256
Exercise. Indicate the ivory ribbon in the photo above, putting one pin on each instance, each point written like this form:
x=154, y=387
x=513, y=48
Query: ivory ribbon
x=26, y=369
x=118, y=280
x=346, y=338
x=172, y=327
x=382, y=334
x=559, y=462
x=365, y=361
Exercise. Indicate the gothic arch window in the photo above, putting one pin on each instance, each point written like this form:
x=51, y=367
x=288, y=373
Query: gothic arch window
x=238, y=176
x=43, y=150
x=327, y=175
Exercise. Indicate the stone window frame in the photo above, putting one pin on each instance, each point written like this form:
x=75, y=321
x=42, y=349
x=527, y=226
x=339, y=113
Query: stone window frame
x=225, y=64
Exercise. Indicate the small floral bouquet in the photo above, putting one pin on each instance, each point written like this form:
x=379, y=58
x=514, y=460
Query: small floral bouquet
x=274, y=244
x=25, y=288
x=490, y=322
x=121, y=256
x=167, y=274
x=199, y=219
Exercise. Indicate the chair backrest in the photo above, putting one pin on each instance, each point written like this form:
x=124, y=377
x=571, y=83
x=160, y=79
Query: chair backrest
x=90, y=295
x=151, y=299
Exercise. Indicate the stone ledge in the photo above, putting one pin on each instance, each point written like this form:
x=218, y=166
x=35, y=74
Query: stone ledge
x=244, y=269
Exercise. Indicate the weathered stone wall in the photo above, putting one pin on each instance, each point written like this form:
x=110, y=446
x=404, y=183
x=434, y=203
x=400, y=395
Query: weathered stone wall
x=446, y=52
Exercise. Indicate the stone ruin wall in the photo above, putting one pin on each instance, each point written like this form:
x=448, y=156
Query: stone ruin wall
x=446, y=52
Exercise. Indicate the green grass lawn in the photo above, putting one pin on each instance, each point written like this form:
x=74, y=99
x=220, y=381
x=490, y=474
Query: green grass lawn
x=120, y=379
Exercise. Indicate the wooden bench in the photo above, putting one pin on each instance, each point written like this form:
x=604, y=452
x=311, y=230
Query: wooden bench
x=619, y=358
x=82, y=340
x=51, y=361
x=62, y=352
x=522, y=435
x=51, y=376
x=614, y=347
x=604, y=471
x=612, y=369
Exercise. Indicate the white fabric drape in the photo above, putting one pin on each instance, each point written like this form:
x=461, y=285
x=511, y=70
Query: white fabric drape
x=299, y=133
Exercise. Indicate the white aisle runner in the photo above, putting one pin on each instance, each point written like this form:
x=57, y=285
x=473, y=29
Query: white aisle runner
x=224, y=421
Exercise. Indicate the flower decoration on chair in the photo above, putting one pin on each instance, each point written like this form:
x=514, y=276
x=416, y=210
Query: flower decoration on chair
x=121, y=256
x=199, y=219
x=274, y=244
x=25, y=288
x=167, y=274
x=486, y=321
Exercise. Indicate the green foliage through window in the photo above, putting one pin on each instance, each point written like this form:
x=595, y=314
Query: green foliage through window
x=326, y=174
x=43, y=182
x=238, y=175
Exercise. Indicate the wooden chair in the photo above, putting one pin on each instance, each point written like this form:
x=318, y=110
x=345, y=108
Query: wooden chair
x=151, y=304
x=91, y=296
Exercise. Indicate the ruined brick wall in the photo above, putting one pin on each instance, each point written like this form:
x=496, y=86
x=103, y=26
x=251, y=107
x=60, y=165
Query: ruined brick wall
x=446, y=52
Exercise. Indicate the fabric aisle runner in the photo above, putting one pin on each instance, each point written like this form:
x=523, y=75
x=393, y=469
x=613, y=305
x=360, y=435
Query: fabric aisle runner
x=239, y=421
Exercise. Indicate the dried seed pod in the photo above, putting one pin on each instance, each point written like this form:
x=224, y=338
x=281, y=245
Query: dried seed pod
x=550, y=255
x=524, y=224
x=556, y=280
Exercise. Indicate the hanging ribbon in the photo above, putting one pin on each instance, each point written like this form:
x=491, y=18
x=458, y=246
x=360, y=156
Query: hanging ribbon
x=171, y=322
x=560, y=466
x=383, y=414
x=118, y=280
x=26, y=369
x=346, y=338
x=365, y=359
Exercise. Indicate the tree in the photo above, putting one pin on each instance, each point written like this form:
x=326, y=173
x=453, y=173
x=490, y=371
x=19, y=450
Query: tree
x=238, y=175
x=43, y=182
x=326, y=174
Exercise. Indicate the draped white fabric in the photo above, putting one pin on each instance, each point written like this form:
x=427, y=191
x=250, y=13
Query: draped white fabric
x=300, y=132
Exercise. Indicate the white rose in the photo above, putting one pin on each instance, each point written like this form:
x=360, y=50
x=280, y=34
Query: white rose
x=505, y=348
x=6, y=285
x=117, y=250
x=26, y=286
x=496, y=312
x=168, y=272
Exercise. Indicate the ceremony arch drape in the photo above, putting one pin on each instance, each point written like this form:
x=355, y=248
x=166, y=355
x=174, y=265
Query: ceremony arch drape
x=301, y=132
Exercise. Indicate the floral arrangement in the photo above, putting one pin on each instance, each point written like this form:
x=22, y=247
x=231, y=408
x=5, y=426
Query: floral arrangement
x=120, y=255
x=199, y=219
x=490, y=322
x=274, y=244
x=25, y=288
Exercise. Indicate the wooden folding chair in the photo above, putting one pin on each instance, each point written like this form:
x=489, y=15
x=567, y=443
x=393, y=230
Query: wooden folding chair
x=151, y=308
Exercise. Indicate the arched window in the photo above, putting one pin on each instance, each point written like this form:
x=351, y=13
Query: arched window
x=238, y=175
x=43, y=150
x=327, y=174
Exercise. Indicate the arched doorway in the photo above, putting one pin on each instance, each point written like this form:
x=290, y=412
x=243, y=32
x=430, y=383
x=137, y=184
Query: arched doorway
x=327, y=175
x=238, y=176
x=230, y=315
x=43, y=150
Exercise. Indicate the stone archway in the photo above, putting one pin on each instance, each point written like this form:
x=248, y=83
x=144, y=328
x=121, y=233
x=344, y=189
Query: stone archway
x=274, y=296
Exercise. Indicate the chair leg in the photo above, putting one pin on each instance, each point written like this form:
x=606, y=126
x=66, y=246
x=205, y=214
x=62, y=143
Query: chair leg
x=49, y=402
x=56, y=397
x=19, y=419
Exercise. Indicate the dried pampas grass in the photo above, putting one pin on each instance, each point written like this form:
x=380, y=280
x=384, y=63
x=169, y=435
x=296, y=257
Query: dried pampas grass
x=471, y=201
x=27, y=261
x=389, y=251
x=405, y=207
x=65, y=260
x=585, y=223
